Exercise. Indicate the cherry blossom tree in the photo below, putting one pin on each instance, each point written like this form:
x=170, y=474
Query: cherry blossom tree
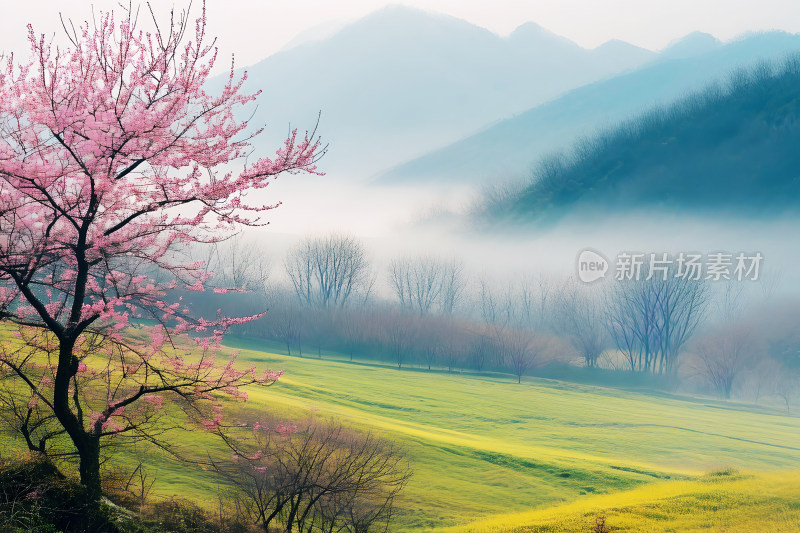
x=112, y=157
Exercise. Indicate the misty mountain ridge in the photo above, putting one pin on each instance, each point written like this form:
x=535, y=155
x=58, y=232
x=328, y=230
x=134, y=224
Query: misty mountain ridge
x=693, y=44
x=731, y=148
x=402, y=81
x=508, y=149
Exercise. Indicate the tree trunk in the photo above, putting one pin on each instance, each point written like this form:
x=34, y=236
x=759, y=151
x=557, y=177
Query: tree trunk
x=90, y=466
x=87, y=445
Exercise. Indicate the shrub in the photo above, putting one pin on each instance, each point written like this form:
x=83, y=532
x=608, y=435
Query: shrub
x=35, y=496
x=600, y=525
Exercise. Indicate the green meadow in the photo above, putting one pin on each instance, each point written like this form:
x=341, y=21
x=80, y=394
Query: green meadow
x=489, y=454
x=483, y=445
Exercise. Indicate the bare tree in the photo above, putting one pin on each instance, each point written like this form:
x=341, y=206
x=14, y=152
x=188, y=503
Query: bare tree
x=723, y=354
x=769, y=283
x=498, y=314
x=416, y=282
x=479, y=347
x=352, y=327
x=786, y=388
x=315, y=477
x=532, y=298
x=727, y=349
x=453, y=344
x=326, y=272
x=523, y=349
x=130, y=487
x=429, y=339
x=757, y=379
x=454, y=284
x=236, y=264
x=730, y=303
x=427, y=283
x=578, y=316
x=651, y=320
x=319, y=327
x=400, y=333
x=681, y=306
x=285, y=320
x=242, y=264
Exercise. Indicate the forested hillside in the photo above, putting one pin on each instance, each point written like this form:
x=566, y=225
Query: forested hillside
x=732, y=146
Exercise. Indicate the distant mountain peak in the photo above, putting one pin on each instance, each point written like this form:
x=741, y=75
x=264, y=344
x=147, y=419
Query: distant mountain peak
x=395, y=11
x=533, y=32
x=616, y=44
x=397, y=8
x=693, y=44
x=530, y=28
x=615, y=49
x=406, y=21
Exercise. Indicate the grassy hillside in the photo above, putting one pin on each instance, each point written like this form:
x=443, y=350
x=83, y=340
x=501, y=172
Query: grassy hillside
x=722, y=501
x=483, y=446
x=730, y=147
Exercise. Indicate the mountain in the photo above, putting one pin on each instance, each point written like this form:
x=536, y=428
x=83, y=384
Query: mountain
x=730, y=148
x=694, y=44
x=617, y=56
x=400, y=81
x=509, y=148
x=315, y=33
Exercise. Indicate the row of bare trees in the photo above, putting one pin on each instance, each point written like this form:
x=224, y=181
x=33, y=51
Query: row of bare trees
x=401, y=337
x=429, y=311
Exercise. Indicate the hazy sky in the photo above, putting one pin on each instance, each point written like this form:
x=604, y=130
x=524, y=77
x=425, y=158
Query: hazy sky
x=255, y=29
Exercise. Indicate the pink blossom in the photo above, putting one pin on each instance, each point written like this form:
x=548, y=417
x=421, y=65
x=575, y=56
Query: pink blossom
x=154, y=400
x=114, y=155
